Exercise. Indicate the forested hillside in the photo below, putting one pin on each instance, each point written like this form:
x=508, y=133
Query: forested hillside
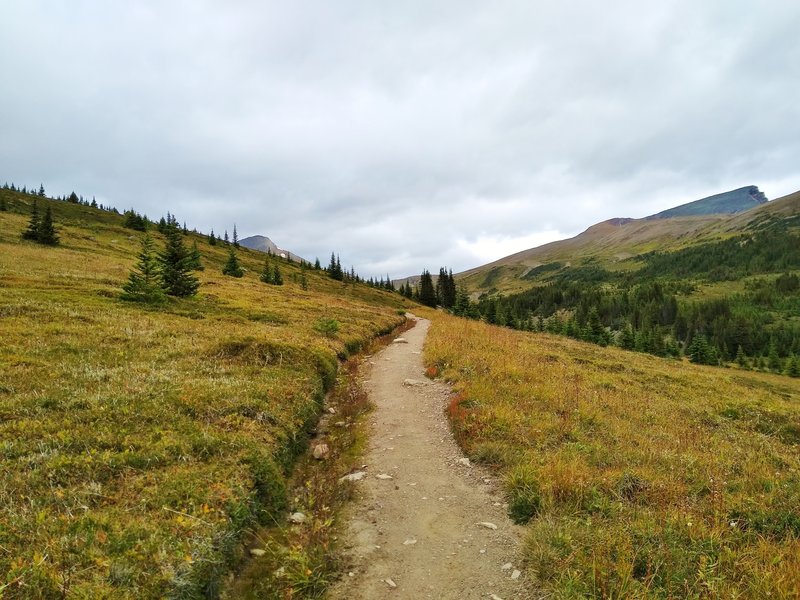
x=735, y=297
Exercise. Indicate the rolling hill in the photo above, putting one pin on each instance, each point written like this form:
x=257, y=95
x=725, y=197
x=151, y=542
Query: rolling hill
x=140, y=443
x=617, y=243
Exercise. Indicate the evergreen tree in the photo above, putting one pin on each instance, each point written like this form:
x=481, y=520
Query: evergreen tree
x=461, y=307
x=277, y=278
x=266, y=272
x=235, y=237
x=73, y=198
x=46, y=233
x=176, y=266
x=225, y=238
x=700, y=352
x=627, y=339
x=32, y=232
x=773, y=360
x=427, y=293
x=793, y=366
x=144, y=280
x=741, y=359
x=94, y=203
x=195, y=258
x=212, y=239
x=317, y=265
x=41, y=191
x=232, y=266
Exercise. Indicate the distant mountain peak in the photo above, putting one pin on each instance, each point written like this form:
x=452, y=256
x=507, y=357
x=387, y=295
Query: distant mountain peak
x=264, y=244
x=726, y=203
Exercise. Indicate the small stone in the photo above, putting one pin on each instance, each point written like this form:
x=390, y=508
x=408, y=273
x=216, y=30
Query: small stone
x=390, y=583
x=350, y=574
x=332, y=410
x=506, y=567
x=482, y=551
x=413, y=382
x=516, y=574
x=495, y=597
x=409, y=542
x=321, y=451
x=465, y=462
x=383, y=476
x=280, y=572
x=357, y=476
x=400, y=340
x=297, y=518
x=487, y=525
x=257, y=552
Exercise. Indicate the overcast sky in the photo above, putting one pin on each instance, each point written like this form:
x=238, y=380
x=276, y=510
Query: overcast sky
x=402, y=135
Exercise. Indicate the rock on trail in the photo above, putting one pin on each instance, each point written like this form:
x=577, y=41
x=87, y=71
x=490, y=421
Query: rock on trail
x=422, y=525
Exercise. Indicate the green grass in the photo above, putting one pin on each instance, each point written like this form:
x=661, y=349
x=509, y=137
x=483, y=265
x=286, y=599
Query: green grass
x=639, y=477
x=139, y=444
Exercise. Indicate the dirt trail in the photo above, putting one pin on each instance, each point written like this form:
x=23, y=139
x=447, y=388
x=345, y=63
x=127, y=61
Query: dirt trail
x=419, y=534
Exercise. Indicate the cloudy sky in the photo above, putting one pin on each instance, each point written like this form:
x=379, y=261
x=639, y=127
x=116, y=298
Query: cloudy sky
x=402, y=135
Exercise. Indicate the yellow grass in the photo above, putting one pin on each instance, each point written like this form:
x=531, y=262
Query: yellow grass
x=138, y=444
x=641, y=477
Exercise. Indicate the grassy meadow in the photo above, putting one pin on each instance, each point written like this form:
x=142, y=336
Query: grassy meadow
x=639, y=477
x=139, y=444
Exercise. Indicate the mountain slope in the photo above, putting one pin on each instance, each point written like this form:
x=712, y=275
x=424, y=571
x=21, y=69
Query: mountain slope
x=614, y=244
x=726, y=203
x=264, y=244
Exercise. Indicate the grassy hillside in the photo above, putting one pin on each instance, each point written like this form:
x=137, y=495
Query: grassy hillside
x=639, y=477
x=137, y=444
x=619, y=245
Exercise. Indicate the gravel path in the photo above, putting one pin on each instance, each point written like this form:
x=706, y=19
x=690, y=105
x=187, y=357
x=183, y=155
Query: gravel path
x=425, y=524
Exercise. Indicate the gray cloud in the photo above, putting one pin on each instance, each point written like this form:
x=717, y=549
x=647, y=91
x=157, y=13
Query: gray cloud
x=402, y=135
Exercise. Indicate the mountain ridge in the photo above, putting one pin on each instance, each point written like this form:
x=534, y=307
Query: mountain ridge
x=263, y=244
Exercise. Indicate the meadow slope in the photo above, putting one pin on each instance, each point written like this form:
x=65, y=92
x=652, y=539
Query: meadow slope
x=138, y=444
x=638, y=476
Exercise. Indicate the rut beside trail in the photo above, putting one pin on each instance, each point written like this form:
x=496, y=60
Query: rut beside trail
x=425, y=523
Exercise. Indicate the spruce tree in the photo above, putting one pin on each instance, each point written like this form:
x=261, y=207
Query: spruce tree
x=235, y=237
x=277, y=278
x=46, y=233
x=773, y=360
x=793, y=366
x=266, y=272
x=317, y=265
x=176, y=266
x=194, y=254
x=212, y=239
x=427, y=293
x=741, y=359
x=41, y=190
x=232, y=266
x=32, y=232
x=144, y=281
x=226, y=239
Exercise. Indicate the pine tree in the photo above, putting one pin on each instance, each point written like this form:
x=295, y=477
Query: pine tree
x=741, y=359
x=41, y=190
x=277, y=278
x=225, y=239
x=235, y=237
x=303, y=281
x=317, y=265
x=195, y=258
x=32, y=232
x=176, y=266
x=266, y=272
x=46, y=233
x=773, y=360
x=232, y=266
x=793, y=366
x=73, y=198
x=427, y=293
x=212, y=239
x=144, y=281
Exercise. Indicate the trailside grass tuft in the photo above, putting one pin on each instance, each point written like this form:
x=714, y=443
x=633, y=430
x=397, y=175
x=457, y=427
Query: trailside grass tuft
x=637, y=476
x=139, y=443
